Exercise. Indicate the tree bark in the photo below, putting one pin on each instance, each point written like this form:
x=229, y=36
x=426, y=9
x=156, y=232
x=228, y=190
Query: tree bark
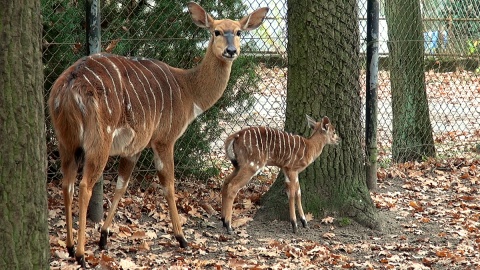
x=323, y=79
x=23, y=193
x=412, y=130
x=94, y=44
x=95, y=205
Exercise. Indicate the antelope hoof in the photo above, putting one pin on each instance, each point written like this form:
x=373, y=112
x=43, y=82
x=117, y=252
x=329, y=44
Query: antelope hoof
x=81, y=261
x=102, y=244
x=226, y=224
x=181, y=240
x=294, y=226
x=71, y=251
x=304, y=223
x=223, y=222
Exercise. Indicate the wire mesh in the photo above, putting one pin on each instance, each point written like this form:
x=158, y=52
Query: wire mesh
x=163, y=30
x=451, y=59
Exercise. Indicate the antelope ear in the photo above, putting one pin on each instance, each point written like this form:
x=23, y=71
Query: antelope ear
x=311, y=122
x=325, y=122
x=254, y=19
x=199, y=16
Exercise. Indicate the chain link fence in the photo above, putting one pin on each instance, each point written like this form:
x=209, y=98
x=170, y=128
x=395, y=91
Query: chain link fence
x=451, y=42
x=257, y=93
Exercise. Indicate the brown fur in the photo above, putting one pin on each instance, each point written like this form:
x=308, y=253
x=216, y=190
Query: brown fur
x=252, y=148
x=113, y=105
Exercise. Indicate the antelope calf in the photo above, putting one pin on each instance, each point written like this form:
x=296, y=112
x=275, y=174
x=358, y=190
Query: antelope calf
x=252, y=148
x=106, y=105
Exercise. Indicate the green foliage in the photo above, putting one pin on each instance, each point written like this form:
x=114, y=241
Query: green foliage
x=464, y=10
x=473, y=47
x=344, y=221
x=155, y=29
x=193, y=148
x=468, y=29
x=63, y=36
x=160, y=30
x=385, y=163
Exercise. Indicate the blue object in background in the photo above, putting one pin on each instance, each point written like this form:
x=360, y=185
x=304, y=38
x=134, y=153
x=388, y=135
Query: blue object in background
x=431, y=41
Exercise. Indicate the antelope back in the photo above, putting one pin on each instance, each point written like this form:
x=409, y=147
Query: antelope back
x=261, y=146
x=116, y=97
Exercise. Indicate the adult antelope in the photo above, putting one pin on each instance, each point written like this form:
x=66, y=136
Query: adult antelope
x=252, y=148
x=105, y=105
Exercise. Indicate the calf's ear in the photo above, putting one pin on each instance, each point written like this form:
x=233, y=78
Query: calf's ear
x=311, y=122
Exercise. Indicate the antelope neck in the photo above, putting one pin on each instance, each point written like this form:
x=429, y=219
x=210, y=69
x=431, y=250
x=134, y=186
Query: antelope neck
x=209, y=79
x=317, y=142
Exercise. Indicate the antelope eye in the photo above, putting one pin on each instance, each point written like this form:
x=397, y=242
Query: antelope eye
x=239, y=33
x=217, y=33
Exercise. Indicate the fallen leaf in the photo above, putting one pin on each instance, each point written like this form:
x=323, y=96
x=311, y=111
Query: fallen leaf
x=328, y=235
x=144, y=246
x=61, y=254
x=208, y=208
x=239, y=222
x=328, y=220
x=127, y=264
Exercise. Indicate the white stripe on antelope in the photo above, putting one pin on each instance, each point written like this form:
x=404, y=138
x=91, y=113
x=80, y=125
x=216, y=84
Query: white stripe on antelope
x=251, y=149
x=107, y=104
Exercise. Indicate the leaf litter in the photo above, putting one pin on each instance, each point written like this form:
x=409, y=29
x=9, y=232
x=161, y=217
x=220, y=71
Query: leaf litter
x=430, y=213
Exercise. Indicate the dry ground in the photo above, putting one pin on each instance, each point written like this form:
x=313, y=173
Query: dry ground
x=430, y=213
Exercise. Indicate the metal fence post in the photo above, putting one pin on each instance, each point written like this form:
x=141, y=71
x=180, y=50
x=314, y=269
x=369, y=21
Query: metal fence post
x=93, y=38
x=371, y=94
x=93, y=31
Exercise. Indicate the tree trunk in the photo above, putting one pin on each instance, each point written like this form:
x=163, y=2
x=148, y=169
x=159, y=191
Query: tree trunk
x=323, y=74
x=23, y=193
x=94, y=45
x=95, y=205
x=412, y=130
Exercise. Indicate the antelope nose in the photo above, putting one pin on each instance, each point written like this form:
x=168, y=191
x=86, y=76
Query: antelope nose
x=231, y=50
